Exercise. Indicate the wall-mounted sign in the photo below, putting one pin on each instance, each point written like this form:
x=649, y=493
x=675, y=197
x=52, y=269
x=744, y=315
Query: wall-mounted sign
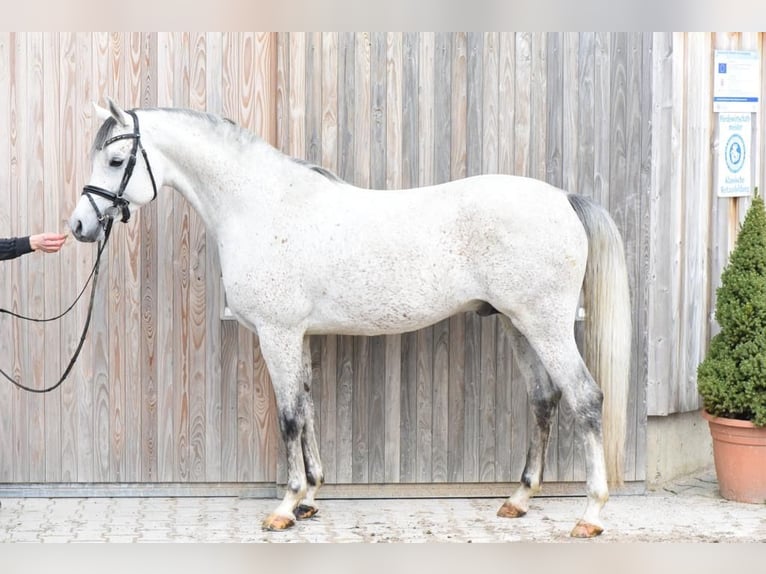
x=737, y=81
x=734, y=138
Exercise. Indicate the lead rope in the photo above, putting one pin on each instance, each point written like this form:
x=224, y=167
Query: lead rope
x=94, y=276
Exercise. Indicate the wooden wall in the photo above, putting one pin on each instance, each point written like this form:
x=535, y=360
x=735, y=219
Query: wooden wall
x=692, y=230
x=167, y=392
x=402, y=110
x=163, y=391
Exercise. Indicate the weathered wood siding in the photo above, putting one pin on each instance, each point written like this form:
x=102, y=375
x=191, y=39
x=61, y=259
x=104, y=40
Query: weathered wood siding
x=403, y=110
x=167, y=392
x=692, y=230
x=164, y=391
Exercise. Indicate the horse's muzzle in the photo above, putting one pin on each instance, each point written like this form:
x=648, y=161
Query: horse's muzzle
x=81, y=233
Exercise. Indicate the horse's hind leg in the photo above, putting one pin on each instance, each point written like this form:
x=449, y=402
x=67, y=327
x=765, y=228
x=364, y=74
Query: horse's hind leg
x=313, y=464
x=544, y=398
x=283, y=353
x=558, y=352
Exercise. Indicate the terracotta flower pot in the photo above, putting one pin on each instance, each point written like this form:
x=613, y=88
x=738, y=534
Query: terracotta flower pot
x=739, y=451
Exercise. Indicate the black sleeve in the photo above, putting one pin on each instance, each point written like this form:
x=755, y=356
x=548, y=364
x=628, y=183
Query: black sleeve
x=14, y=247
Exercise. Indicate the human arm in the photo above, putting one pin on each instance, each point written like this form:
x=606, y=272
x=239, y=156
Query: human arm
x=13, y=247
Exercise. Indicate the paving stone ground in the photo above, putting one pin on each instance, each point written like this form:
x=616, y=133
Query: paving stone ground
x=687, y=510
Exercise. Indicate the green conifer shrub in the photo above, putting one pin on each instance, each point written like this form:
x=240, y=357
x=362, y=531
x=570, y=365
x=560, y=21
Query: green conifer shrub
x=732, y=378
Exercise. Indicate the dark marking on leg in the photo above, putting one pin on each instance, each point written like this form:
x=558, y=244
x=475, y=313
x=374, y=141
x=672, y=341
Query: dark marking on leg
x=289, y=426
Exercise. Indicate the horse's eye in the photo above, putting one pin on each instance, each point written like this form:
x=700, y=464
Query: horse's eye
x=115, y=162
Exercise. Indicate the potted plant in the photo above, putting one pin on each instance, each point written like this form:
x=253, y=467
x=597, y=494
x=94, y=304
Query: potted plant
x=732, y=378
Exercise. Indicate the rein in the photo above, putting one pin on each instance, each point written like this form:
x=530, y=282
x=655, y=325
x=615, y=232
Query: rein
x=94, y=276
x=105, y=220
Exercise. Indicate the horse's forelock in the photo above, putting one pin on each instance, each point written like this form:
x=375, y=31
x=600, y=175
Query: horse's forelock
x=102, y=135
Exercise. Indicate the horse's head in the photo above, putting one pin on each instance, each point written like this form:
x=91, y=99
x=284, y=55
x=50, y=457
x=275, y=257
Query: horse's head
x=121, y=178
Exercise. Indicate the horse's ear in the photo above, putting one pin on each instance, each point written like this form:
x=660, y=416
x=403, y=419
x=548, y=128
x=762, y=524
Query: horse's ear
x=117, y=113
x=101, y=113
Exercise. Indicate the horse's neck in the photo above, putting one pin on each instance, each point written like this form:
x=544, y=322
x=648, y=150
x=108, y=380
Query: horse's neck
x=211, y=171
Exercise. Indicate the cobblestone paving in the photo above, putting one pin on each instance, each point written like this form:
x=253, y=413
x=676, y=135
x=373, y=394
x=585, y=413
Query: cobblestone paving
x=685, y=511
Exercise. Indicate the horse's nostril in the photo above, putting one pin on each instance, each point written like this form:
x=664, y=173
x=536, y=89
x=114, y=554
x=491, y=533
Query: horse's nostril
x=78, y=229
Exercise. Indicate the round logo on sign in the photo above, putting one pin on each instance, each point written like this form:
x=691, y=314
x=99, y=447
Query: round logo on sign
x=735, y=153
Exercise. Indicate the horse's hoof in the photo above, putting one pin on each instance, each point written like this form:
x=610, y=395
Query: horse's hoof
x=278, y=522
x=305, y=511
x=586, y=530
x=509, y=510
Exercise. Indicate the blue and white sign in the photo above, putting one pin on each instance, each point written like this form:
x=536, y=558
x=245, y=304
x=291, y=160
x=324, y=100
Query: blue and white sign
x=734, y=137
x=737, y=81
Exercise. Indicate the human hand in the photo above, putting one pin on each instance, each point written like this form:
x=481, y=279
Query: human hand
x=47, y=242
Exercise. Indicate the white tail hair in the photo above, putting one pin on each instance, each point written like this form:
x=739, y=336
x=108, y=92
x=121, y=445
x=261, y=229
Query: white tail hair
x=608, y=338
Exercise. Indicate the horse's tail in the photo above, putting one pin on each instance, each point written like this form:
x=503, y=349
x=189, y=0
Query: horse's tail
x=607, y=325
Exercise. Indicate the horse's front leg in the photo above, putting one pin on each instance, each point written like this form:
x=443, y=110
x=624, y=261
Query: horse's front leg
x=283, y=353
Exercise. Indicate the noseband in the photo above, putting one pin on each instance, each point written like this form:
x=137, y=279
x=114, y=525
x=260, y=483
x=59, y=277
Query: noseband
x=117, y=198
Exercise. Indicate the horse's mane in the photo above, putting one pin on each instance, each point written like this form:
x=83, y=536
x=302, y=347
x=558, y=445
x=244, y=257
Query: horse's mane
x=230, y=128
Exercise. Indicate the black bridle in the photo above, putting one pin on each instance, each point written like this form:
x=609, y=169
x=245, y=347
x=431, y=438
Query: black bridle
x=116, y=197
x=105, y=220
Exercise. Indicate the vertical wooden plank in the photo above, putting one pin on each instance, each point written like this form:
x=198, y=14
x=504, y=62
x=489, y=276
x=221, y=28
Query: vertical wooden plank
x=245, y=399
x=660, y=350
x=697, y=191
x=471, y=453
x=181, y=282
x=410, y=170
x=214, y=296
x=506, y=115
x=106, y=291
x=618, y=142
x=111, y=60
x=642, y=300
x=602, y=99
x=629, y=219
x=68, y=254
x=52, y=266
x=149, y=276
x=538, y=106
x=362, y=371
x=393, y=343
x=489, y=159
x=6, y=342
x=197, y=343
x=377, y=379
x=83, y=371
x=166, y=256
x=229, y=346
x=345, y=364
x=584, y=130
x=329, y=344
x=242, y=114
x=678, y=139
x=35, y=167
x=18, y=208
x=584, y=157
x=250, y=392
x=438, y=67
x=425, y=337
x=229, y=329
x=131, y=471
